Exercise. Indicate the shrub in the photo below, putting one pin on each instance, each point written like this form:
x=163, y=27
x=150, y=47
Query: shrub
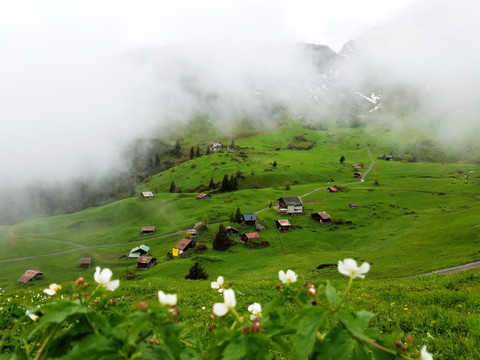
x=201, y=247
x=197, y=272
x=256, y=243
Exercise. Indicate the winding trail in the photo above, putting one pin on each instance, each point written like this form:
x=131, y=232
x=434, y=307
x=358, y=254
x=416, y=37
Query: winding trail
x=450, y=270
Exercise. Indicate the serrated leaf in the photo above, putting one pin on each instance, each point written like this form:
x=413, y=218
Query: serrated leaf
x=306, y=337
x=236, y=350
x=332, y=294
x=356, y=323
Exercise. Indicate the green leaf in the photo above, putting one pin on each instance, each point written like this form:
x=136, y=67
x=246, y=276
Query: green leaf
x=332, y=294
x=237, y=349
x=337, y=344
x=306, y=336
x=356, y=323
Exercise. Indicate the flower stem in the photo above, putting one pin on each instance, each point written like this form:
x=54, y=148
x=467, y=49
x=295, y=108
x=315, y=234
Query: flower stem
x=45, y=342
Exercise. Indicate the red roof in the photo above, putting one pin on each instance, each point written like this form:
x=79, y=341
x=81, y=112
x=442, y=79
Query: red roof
x=332, y=189
x=148, y=228
x=29, y=275
x=145, y=259
x=201, y=196
x=284, y=222
x=251, y=235
x=182, y=244
x=324, y=215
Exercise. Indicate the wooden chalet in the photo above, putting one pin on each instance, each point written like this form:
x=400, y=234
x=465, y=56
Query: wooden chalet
x=231, y=230
x=353, y=206
x=387, y=157
x=332, y=189
x=283, y=225
x=321, y=217
x=85, y=263
x=357, y=166
x=184, y=245
x=203, y=196
x=249, y=219
x=216, y=147
x=30, y=275
x=192, y=232
x=290, y=205
x=146, y=230
x=146, y=195
x=145, y=262
x=248, y=236
x=139, y=251
x=357, y=175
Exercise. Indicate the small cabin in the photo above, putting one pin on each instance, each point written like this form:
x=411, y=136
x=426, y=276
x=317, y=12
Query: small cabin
x=216, y=147
x=353, y=206
x=183, y=245
x=139, y=251
x=282, y=225
x=145, y=262
x=231, y=230
x=248, y=236
x=357, y=175
x=85, y=263
x=192, y=232
x=357, y=166
x=321, y=217
x=387, y=157
x=203, y=196
x=290, y=205
x=146, y=195
x=249, y=219
x=30, y=275
x=332, y=189
x=146, y=230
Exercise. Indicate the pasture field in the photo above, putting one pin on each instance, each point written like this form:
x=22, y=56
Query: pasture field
x=413, y=217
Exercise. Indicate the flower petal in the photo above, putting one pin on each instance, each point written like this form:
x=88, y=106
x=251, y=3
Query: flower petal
x=214, y=285
x=282, y=276
x=96, y=276
x=112, y=285
x=220, y=280
x=424, y=354
x=229, y=296
x=49, y=292
x=220, y=309
x=364, y=268
x=106, y=275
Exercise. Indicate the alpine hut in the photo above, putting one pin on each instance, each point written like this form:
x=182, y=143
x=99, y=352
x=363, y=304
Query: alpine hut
x=283, y=225
x=231, y=230
x=203, y=196
x=249, y=219
x=145, y=262
x=147, y=230
x=248, y=236
x=321, y=217
x=182, y=246
x=138, y=251
x=85, y=263
x=146, y=195
x=290, y=205
x=30, y=275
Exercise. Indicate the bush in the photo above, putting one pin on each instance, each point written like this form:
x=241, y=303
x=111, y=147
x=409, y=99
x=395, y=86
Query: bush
x=197, y=272
x=254, y=243
x=201, y=247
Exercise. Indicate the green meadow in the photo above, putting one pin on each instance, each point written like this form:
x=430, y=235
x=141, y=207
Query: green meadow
x=412, y=218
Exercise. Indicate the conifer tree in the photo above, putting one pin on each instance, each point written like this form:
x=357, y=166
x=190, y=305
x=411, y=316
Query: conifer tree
x=211, y=185
x=157, y=160
x=342, y=159
x=238, y=216
x=232, y=217
x=197, y=153
x=172, y=187
x=221, y=241
x=192, y=153
x=197, y=272
x=274, y=164
x=225, y=184
x=177, y=151
x=150, y=163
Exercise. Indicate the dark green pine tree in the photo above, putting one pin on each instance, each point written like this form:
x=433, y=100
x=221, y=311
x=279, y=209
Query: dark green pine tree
x=157, y=160
x=177, y=150
x=172, y=187
x=232, y=217
x=208, y=150
x=192, y=153
x=197, y=152
x=342, y=159
x=225, y=184
x=211, y=185
x=274, y=164
x=238, y=216
x=221, y=241
x=233, y=183
x=197, y=272
x=150, y=163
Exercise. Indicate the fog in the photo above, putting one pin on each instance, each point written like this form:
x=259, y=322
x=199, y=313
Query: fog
x=79, y=82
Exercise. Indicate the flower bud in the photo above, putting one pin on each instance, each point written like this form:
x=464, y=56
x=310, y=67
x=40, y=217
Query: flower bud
x=213, y=316
x=314, y=302
x=312, y=291
x=80, y=281
x=111, y=302
x=409, y=339
x=141, y=305
x=278, y=286
x=175, y=312
x=307, y=283
x=256, y=327
x=246, y=329
x=152, y=341
x=399, y=344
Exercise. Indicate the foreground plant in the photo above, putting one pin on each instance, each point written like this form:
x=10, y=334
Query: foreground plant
x=301, y=322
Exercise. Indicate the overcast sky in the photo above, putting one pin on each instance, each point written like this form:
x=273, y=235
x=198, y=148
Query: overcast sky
x=67, y=105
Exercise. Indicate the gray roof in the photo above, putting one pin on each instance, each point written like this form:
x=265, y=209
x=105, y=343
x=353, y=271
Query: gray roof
x=249, y=217
x=291, y=200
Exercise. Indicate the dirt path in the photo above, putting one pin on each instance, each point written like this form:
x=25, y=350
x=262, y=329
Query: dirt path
x=451, y=270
